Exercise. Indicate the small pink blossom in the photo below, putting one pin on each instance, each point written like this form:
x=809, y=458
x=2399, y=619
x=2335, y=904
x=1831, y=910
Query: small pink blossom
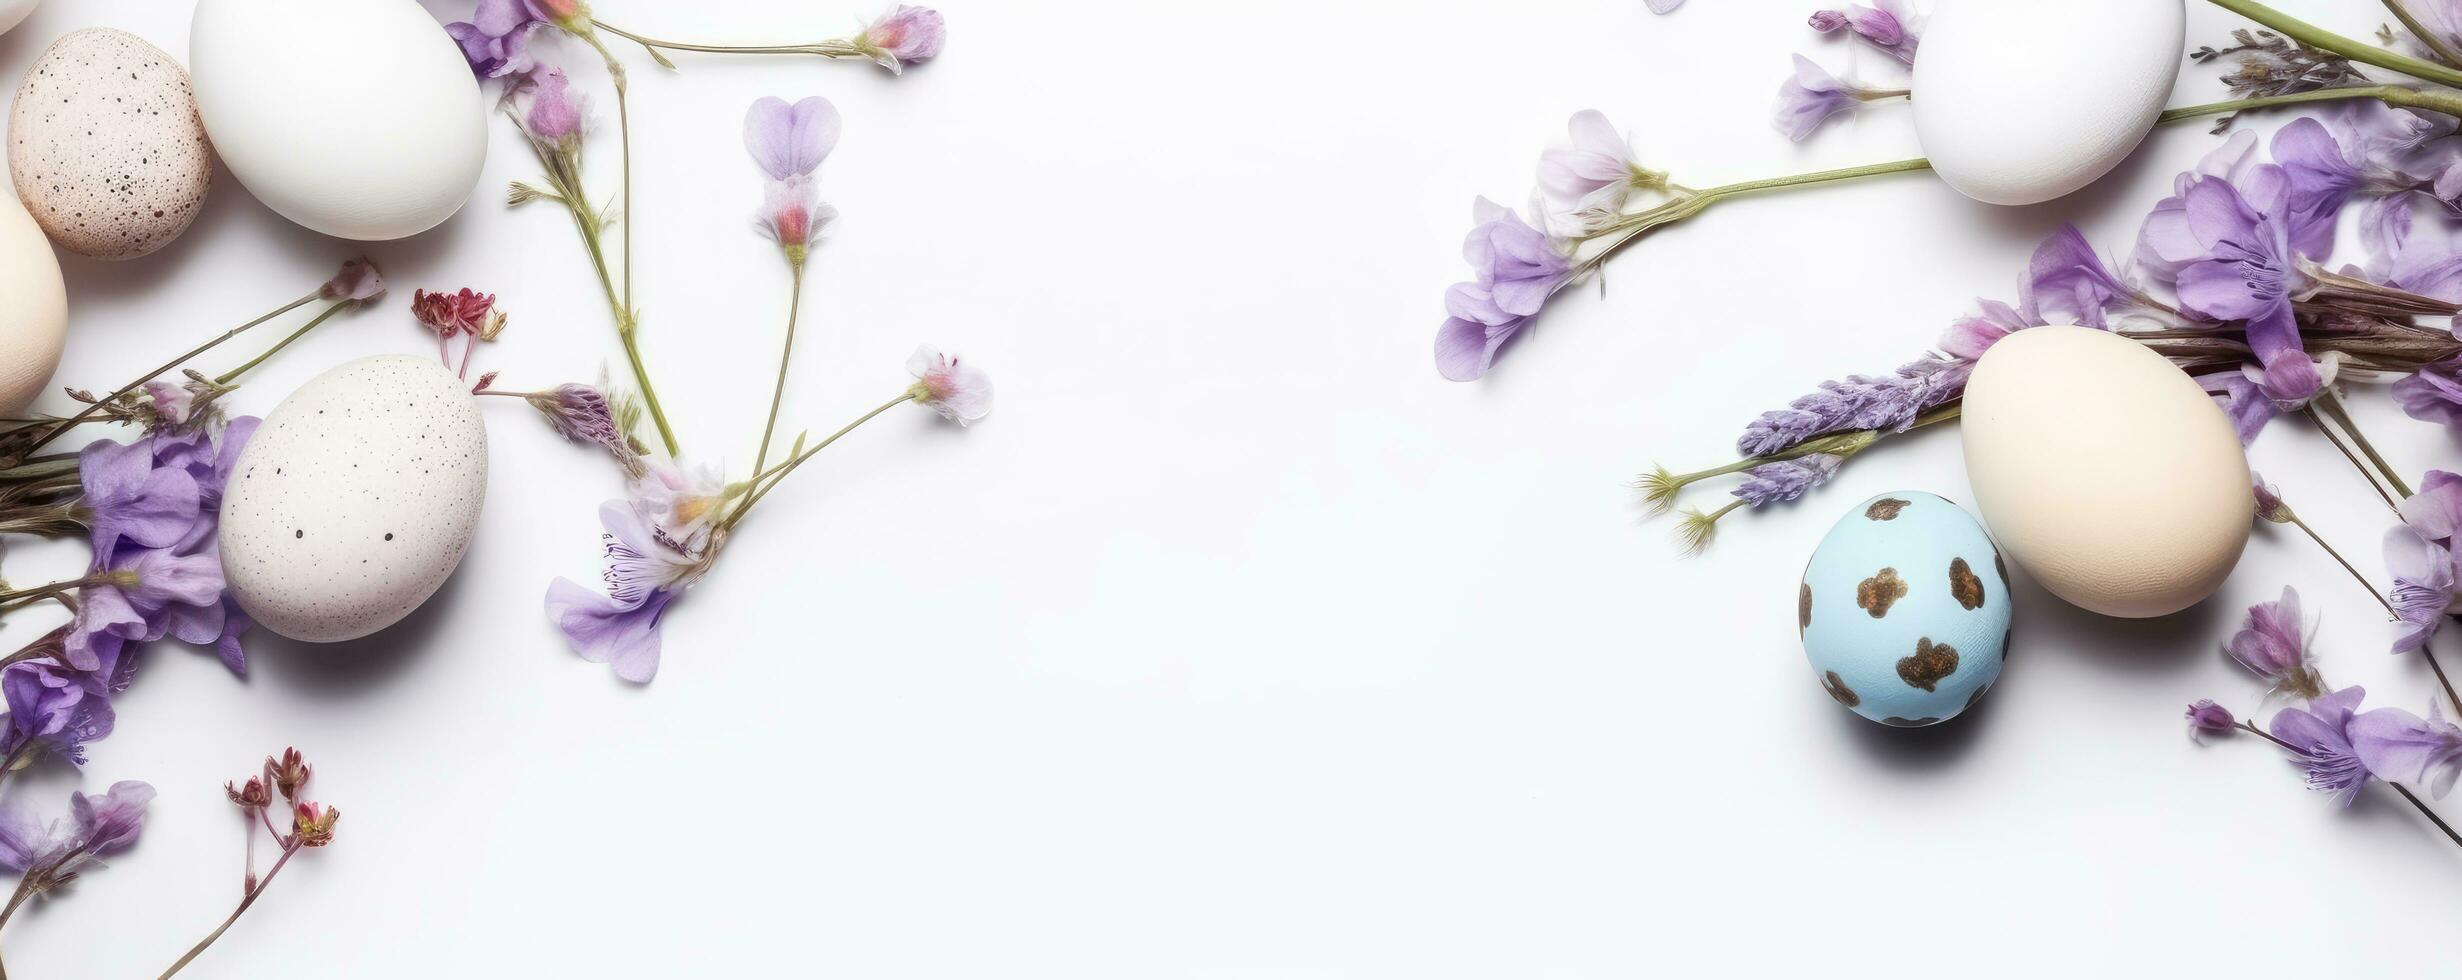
x=173, y=402
x=358, y=282
x=555, y=113
x=960, y=392
x=905, y=36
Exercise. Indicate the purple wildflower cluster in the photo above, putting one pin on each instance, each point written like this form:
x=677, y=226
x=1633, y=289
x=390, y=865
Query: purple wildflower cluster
x=1812, y=95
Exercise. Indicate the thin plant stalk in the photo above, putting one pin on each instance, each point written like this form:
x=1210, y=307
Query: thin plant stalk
x=786, y=355
x=2444, y=52
x=825, y=49
x=2346, y=565
x=2393, y=478
x=72, y=421
x=2365, y=473
x=245, y=901
x=227, y=377
x=778, y=474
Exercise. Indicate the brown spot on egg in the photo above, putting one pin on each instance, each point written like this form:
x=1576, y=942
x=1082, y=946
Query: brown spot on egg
x=1964, y=586
x=1894, y=721
x=1931, y=662
x=1875, y=595
x=1803, y=608
x=1837, y=689
x=1886, y=508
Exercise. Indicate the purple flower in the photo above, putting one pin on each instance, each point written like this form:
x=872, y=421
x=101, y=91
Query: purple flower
x=2401, y=747
x=131, y=497
x=358, y=282
x=1810, y=96
x=958, y=390
x=2231, y=259
x=2243, y=402
x=1771, y=483
x=1889, y=403
x=555, y=112
x=2065, y=278
x=94, y=827
x=2208, y=718
x=52, y=708
x=2359, y=151
x=657, y=547
x=1589, y=181
x=2320, y=741
x=2436, y=508
x=2423, y=584
x=1968, y=337
x=1891, y=26
x=581, y=413
x=2270, y=506
x=1515, y=268
x=904, y=36
x=790, y=141
x=2272, y=644
x=496, y=38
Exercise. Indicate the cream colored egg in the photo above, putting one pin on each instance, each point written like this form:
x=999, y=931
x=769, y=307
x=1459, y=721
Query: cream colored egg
x=33, y=309
x=2020, y=103
x=355, y=499
x=359, y=120
x=105, y=146
x=2105, y=472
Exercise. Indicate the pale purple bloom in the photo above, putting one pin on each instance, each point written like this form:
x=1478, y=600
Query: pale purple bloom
x=2270, y=506
x=1785, y=480
x=53, y=707
x=496, y=39
x=2433, y=394
x=2436, y=507
x=793, y=215
x=1969, y=336
x=358, y=282
x=555, y=111
x=791, y=141
x=2208, y=718
x=1891, y=26
x=957, y=389
x=2165, y=242
x=171, y=402
x=2245, y=404
x=2364, y=149
x=2426, y=260
x=2423, y=575
x=1515, y=268
x=1809, y=97
x=2065, y=278
x=2401, y=747
x=130, y=497
x=2232, y=259
x=2272, y=643
x=657, y=545
x=904, y=36
x=1889, y=403
x=95, y=826
x=581, y=414
x=1591, y=179
x=2320, y=739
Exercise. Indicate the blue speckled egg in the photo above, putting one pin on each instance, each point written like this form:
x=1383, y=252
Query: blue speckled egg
x=1905, y=610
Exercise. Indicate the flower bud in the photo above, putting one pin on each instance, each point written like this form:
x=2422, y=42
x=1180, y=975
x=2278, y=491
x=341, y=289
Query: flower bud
x=290, y=774
x=313, y=823
x=251, y=796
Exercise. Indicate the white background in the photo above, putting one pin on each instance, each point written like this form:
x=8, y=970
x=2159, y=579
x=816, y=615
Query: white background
x=1237, y=643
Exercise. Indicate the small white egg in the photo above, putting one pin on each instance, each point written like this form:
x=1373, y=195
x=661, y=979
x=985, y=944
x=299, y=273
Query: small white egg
x=2020, y=103
x=355, y=499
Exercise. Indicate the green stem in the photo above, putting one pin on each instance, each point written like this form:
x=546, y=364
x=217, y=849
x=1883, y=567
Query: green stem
x=786, y=354
x=225, y=377
x=2333, y=408
x=2324, y=40
x=245, y=901
x=825, y=49
x=73, y=420
x=2444, y=52
x=2328, y=431
x=788, y=468
x=2346, y=565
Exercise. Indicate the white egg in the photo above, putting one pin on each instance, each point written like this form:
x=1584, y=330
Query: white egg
x=359, y=120
x=13, y=12
x=33, y=308
x=355, y=499
x=2020, y=103
x=2105, y=472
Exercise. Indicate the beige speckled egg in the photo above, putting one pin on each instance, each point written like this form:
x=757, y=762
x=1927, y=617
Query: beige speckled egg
x=33, y=309
x=106, y=146
x=355, y=499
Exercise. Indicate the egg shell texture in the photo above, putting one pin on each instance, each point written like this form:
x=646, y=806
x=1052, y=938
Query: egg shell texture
x=2106, y=472
x=359, y=120
x=355, y=499
x=2020, y=103
x=13, y=12
x=33, y=309
x=1905, y=610
x=106, y=147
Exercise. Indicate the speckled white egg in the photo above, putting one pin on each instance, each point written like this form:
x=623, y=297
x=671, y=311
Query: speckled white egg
x=355, y=499
x=13, y=12
x=33, y=309
x=105, y=145
x=2020, y=103
x=1905, y=610
x=2108, y=474
x=359, y=120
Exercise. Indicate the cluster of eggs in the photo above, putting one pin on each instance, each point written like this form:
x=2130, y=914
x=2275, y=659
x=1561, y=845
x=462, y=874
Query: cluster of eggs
x=358, y=495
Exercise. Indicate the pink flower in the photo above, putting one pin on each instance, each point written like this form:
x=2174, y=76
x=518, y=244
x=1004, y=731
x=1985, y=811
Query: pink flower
x=904, y=36
x=555, y=112
x=358, y=282
x=171, y=401
x=794, y=215
x=960, y=392
x=451, y=314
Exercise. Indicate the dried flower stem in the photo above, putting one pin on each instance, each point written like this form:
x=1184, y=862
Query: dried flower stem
x=2333, y=409
x=825, y=49
x=2365, y=473
x=2324, y=40
x=2252, y=729
x=74, y=420
x=288, y=849
x=794, y=311
x=778, y=474
x=2346, y=565
x=227, y=376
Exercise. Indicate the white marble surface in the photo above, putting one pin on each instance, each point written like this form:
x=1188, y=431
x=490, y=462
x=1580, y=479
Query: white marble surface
x=1236, y=643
